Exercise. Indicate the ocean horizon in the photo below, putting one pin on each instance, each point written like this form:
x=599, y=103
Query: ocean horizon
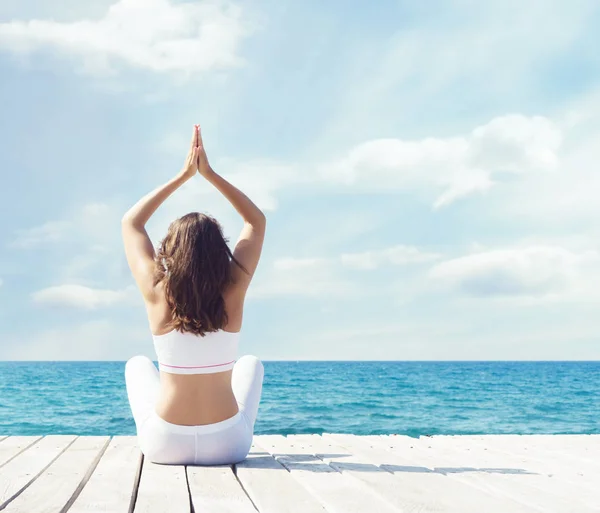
x=332, y=361
x=358, y=397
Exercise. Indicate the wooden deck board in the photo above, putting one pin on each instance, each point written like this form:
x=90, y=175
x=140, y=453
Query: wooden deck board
x=162, y=489
x=308, y=474
x=574, y=454
x=572, y=476
x=433, y=488
x=572, y=471
x=216, y=489
x=11, y=446
x=338, y=492
x=20, y=472
x=271, y=487
x=491, y=472
x=553, y=473
x=54, y=488
x=113, y=485
x=351, y=461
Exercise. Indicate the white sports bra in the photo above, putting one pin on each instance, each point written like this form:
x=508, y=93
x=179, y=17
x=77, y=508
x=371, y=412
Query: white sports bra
x=188, y=353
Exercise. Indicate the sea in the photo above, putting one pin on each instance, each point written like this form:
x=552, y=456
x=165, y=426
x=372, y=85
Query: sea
x=362, y=398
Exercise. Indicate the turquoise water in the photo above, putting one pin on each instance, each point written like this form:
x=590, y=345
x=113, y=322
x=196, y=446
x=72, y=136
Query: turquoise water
x=414, y=398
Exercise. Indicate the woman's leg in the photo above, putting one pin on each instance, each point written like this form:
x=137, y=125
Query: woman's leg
x=143, y=381
x=246, y=382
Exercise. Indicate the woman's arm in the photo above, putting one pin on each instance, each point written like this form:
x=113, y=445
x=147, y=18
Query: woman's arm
x=250, y=213
x=138, y=246
x=142, y=211
x=249, y=245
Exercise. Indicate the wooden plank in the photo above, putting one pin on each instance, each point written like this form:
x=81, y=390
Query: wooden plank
x=270, y=485
x=556, y=441
x=351, y=461
x=113, y=485
x=162, y=489
x=13, y=445
x=575, y=476
x=567, y=475
x=423, y=485
x=339, y=493
x=581, y=451
x=494, y=475
x=574, y=457
x=586, y=446
x=216, y=489
x=19, y=472
x=53, y=490
x=310, y=473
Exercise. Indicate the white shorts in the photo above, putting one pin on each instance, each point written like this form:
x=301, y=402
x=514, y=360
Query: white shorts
x=221, y=443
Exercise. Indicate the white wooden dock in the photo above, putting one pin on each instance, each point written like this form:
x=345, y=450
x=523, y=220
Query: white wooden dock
x=308, y=473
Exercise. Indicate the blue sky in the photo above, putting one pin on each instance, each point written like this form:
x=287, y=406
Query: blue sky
x=429, y=171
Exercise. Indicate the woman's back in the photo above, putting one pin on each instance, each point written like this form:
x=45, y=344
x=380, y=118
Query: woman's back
x=197, y=397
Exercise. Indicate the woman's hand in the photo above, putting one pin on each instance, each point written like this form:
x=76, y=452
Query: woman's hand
x=191, y=162
x=203, y=166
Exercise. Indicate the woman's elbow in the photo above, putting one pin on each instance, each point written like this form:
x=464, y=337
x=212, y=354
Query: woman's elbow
x=261, y=220
x=126, y=221
x=129, y=219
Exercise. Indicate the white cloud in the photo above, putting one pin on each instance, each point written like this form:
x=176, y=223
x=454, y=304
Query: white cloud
x=100, y=339
x=314, y=277
x=451, y=167
x=79, y=296
x=298, y=264
x=570, y=195
x=92, y=220
x=90, y=243
x=515, y=143
x=94, y=209
x=441, y=169
x=50, y=232
x=396, y=255
x=158, y=35
x=88, y=262
x=535, y=271
x=262, y=180
x=468, y=59
x=302, y=277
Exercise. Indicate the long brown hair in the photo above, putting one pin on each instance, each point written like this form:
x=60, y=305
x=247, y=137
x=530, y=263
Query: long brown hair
x=194, y=262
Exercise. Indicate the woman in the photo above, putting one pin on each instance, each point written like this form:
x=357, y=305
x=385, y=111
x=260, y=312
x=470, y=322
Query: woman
x=201, y=407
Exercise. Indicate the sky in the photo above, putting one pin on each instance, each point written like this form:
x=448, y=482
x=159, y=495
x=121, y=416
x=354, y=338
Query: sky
x=429, y=171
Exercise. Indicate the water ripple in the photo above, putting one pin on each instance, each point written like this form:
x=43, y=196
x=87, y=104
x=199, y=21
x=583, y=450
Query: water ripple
x=411, y=398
